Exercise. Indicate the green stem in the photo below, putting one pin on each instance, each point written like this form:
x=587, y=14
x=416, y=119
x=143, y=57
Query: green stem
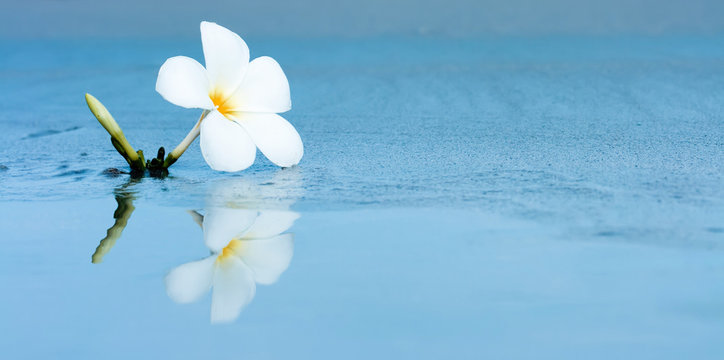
x=181, y=148
x=122, y=214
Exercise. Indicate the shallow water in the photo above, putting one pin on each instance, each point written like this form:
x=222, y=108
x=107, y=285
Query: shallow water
x=501, y=198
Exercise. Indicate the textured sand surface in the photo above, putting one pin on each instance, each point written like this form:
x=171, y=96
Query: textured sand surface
x=493, y=198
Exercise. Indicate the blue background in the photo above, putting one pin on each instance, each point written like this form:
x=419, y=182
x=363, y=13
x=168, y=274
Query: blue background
x=481, y=179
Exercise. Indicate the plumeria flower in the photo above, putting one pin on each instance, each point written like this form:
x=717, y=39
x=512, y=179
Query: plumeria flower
x=242, y=99
x=248, y=246
x=240, y=259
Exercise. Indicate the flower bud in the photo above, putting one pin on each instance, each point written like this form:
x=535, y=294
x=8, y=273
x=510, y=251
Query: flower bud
x=104, y=117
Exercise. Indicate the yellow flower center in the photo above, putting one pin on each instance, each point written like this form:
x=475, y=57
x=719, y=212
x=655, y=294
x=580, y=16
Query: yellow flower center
x=229, y=250
x=220, y=102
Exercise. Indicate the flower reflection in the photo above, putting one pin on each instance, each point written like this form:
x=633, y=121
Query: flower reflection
x=248, y=246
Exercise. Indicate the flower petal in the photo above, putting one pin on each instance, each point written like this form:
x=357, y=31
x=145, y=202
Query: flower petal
x=182, y=81
x=188, y=282
x=226, y=55
x=234, y=288
x=221, y=225
x=224, y=144
x=265, y=88
x=270, y=223
x=275, y=137
x=268, y=258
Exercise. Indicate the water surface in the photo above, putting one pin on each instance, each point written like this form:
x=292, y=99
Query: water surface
x=499, y=198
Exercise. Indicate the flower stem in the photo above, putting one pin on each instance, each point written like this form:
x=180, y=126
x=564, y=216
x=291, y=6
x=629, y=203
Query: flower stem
x=123, y=213
x=124, y=198
x=190, y=137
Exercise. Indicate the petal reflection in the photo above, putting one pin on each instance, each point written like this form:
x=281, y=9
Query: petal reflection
x=188, y=282
x=245, y=227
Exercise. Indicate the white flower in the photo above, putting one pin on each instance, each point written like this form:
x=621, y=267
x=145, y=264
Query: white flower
x=244, y=228
x=242, y=97
x=247, y=247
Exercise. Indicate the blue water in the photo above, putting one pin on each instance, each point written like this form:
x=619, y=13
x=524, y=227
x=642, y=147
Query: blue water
x=479, y=198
